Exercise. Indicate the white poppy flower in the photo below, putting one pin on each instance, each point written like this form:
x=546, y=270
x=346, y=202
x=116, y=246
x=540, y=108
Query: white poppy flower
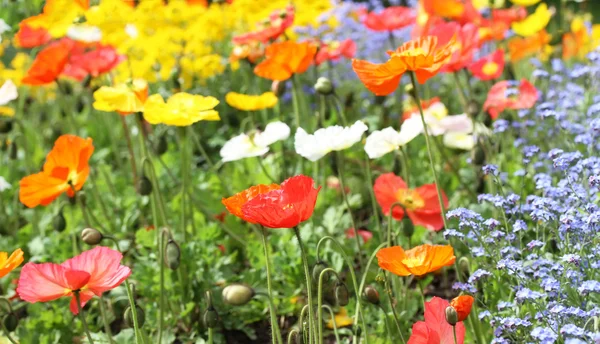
x=4, y=185
x=457, y=124
x=3, y=26
x=381, y=142
x=256, y=144
x=8, y=92
x=131, y=31
x=325, y=140
x=84, y=33
x=465, y=140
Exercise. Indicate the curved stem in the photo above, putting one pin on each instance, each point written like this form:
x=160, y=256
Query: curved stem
x=290, y=338
x=389, y=224
x=372, y=194
x=105, y=320
x=340, y=107
x=130, y=149
x=320, y=302
x=343, y=188
x=311, y=314
x=427, y=139
x=335, y=330
x=82, y=317
x=136, y=325
x=389, y=292
x=264, y=169
x=184, y=179
x=272, y=311
x=210, y=336
x=8, y=336
x=387, y=323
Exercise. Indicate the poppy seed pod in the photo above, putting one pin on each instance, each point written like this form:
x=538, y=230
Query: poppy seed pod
x=316, y=272
x=162, y=145
x=10, y=321
x=451, y=316
x=341, y=294
x=144, y=186
x=211, y=317
x=172, y=254
x=139, y=312
x=473, y=108
x=59, y=222
x=91, y=236
x=371, y=295
x=6, y=126
x=237, y=294
x=324, y=86
x=408, y=228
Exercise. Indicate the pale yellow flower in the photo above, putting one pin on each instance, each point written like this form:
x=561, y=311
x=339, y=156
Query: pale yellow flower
x=247, y=102
x=181, y=109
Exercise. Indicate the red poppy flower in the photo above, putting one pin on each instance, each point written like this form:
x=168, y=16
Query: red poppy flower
x=364, y=234
x=421, y=204
x=28, y=37
x=462, y=304
x=509, y=15
x=488, y=67
x=391, y=18
x=48, y=64
x=270, y=28
x=234, y=203
x=333, y=51
x=286, y=207
x=466, y=43
x=435, y=329
x=95, y=62
x=505, y=95
x=470, y=14
x=91, y=273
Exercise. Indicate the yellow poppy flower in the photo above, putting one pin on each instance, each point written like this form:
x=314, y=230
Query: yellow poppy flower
x=7, y=111
x=124, y=98
x=534, y=23
x=8, y=264
x=247, y=102
x=525, y=2
x=341, y=319
x=182, y=109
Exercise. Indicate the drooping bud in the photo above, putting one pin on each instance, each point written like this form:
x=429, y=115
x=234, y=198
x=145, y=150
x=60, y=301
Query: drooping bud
x=10, y=321
x=464, y=266
x=371, y=295
x=473, y=108
x=6, y=126
x=237, y=294
x=408, y=228
x=162, y=145
x=341, y=294
x=451, y=316
x=59, y=222
x=211, y=317
x=316, y=272
x=172, y=254
x=144, y=186
x=139, y=312
x=278, y=88
x=91, y=236
x=324, y=86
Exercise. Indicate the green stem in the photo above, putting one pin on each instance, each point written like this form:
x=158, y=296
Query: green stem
x=320, y=302
x=8, y=336
x=461, y=93
x=335, y=329
x=390, y=298
x=210, y=335
x=341, y=111
x=454, y=334
x=312, y=326
x=290, y=338
x=340, y=169
x=427, y=139
x=295, y=102
x=105, y=320
x=272, y=311
x=453, y=167
x=184, y=179
x=372, y=194
x=130, y=149
x=82, y=317
x=390, y=220
x=264, y=169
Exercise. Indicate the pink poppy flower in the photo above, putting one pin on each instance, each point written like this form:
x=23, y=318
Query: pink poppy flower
x=435, y=329
x=335, y=50
x=466, y=36
x=98, y=61
x=506, y=95
x=391, y=18
x=364, y=234
x=91, y=273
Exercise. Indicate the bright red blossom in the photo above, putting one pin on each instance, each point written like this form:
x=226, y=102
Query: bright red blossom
x=286, y=207
x=91, y=273
x=502, y=96
x=462, y=304
x=391, y=18
x=333, y=51
x=466, y=43
x=421, y=204
x=488, y=67
x=364, y=234
x=435, y=329
x=98, y=61
x=270, y=29
x=48, y=64
x=28, y=37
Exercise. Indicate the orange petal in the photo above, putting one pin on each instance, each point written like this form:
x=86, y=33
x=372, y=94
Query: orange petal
x=381, y=79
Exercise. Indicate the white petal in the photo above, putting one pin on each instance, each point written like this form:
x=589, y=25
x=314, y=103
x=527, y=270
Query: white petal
x=241, y=147
x=312, y=147
x=4, y=185
x=381, y=142
x=8, y=92
x=410, y=129
x=457, y=124
x=459, y=141
x=348, y=136
x=131, y=31
x=84, y=33
x=275, y=131
x=3, y=26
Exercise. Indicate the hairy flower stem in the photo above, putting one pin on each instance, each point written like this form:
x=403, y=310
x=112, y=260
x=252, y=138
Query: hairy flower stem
x=105, y=320
x=429, y=152
x=311, y=314
x=130, y=149
x=335, y=329
x=210, y=335
x=82, y=317
x=320, y=302
x=391, y=301
x=8, y=336
x=296, y=106
x=272, y=311
x=184, y=179
x=343, y=190
x=454, y=334
x=372, y=194
x=340, y=108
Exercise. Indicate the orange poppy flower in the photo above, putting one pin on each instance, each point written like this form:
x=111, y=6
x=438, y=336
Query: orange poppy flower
x=285, y=59
x=462, y=304
x=48, y=64
x=444, y=8
x=488, y=67
x=28, y=37
x=521, y=47
x=417, y=261
x=65, y=170
x=234, y=203
x=8, y=264
x=467, y=37
x=423, y=56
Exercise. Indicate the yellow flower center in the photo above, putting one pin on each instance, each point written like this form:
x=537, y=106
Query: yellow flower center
x=413, y=52
x=410, y=199
x=490, y=68
x=413, y=261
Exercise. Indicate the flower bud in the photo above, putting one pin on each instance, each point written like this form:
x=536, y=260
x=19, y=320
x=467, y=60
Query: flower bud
x=6, y=126
x=451, y=315
x=139, y=312
x=91, y=236
x=323, y=86
x=473, y=108
x=316, y=272
x=211, y=318
x=59, y=222
x=341, y=294
x=371, y=295
x=464, y=266
x=278, y=88
x=462, y=306
x=237, y=294
x=13, y=150
x=409, y=89
x=172, y=254
x=10, y=321
x=379, y=278
x=161, y=146
x=408, y=228
x=144, y=186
